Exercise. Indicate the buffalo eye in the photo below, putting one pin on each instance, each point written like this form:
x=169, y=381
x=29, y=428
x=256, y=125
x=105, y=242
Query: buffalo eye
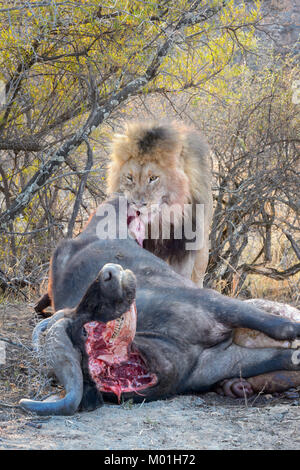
x=84, y=333
x=129, y=178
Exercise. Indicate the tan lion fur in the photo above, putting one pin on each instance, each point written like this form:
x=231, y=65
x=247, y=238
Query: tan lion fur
x=178, y=156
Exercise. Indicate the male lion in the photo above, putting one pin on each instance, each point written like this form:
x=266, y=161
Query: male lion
x=157, y=167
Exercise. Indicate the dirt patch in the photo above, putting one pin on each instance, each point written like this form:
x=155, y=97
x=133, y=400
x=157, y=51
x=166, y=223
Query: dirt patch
x=187, y=422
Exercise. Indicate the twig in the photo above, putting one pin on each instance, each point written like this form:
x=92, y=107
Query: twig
x=37, y=5
x=37, y=230
x=13, y=343
x=7, y=405
x=293, y=243
x=258, y=395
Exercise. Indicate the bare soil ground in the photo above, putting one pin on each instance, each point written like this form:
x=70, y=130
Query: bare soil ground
x=185, y=422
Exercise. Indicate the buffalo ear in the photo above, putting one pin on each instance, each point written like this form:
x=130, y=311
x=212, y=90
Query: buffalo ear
x=91, y=301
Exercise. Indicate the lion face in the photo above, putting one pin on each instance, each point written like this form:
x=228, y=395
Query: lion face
x=148, y=187
x=147, y=168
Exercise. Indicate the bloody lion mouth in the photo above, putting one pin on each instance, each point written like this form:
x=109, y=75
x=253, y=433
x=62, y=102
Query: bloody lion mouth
x=136, y=225
x=113, y=364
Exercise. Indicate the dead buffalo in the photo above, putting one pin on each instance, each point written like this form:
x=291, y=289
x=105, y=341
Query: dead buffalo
x=147, y=335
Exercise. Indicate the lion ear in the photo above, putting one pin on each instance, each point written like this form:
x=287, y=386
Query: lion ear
x=121, y=137
x=119, y=148
x=119, y=140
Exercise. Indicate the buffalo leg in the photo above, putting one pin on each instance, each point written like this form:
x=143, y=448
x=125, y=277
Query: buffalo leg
x=238, y=314
x=271, y=382
x=231, y=361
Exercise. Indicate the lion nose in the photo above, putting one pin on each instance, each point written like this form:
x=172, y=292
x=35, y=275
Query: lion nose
x=111, y=271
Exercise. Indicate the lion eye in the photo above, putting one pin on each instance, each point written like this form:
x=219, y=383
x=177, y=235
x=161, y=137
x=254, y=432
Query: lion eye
x=129, y=177
x=153, y=178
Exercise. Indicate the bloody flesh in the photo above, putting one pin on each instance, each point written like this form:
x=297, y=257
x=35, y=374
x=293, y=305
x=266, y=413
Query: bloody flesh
x=114, y=365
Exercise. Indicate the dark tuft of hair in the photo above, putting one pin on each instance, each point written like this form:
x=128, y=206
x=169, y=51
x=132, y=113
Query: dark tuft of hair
x=151, y=137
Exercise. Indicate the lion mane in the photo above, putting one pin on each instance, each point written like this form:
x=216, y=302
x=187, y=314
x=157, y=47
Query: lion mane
x=176, y=157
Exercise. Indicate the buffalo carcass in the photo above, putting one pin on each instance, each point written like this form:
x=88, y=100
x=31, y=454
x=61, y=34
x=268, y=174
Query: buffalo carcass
x=147, y=335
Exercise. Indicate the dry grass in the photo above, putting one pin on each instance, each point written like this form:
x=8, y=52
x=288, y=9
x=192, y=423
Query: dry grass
x=282, y=291
x=22, y=375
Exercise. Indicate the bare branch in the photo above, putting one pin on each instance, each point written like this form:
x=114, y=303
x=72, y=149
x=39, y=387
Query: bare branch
x=293, y=243
x=27, y=144
x=82, y=185
x=271, y=272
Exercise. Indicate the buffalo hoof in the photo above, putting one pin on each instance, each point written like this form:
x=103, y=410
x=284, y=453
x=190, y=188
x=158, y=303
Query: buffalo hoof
x=41, y=305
